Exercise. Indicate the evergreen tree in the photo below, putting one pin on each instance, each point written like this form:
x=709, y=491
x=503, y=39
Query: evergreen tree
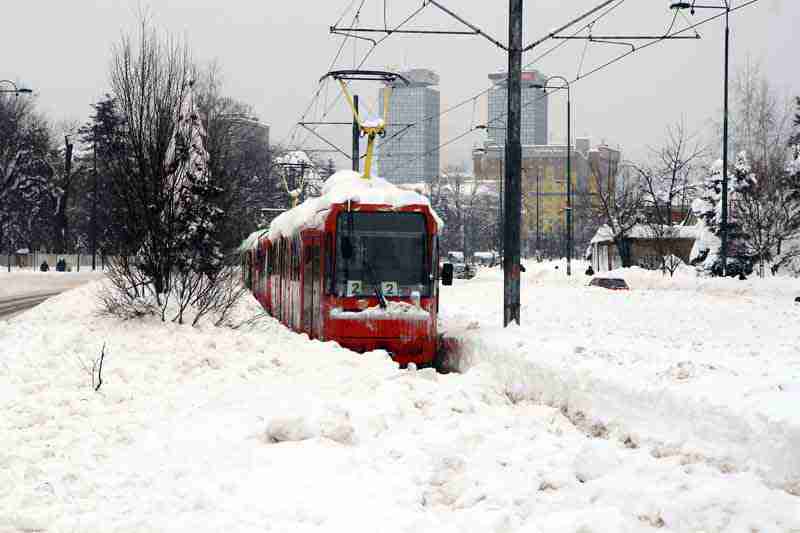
x=708, y=208
x=198, y=248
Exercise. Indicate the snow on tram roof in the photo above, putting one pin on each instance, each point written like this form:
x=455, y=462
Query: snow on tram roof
x=251, y=240
x=339, y=188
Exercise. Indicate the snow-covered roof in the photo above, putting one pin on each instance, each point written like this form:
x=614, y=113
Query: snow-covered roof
x=642, y=231
x=339, y=188
x=485, y=255
x=295, y=157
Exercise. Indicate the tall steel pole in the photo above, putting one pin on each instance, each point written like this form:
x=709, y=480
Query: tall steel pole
x=356, y=135
x=538, y=229
x=513, y=178
x=724, y=229
x=569, y=183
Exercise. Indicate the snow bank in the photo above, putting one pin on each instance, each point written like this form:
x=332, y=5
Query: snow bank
x=339, y=188
x=257, y=428
x=695, y=367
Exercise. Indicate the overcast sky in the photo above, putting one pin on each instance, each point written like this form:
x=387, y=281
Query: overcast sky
x=273, y=51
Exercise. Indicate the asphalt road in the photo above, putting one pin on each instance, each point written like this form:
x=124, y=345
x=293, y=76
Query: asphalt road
x=11, y=306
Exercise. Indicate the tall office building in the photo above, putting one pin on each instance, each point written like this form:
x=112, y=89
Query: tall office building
x=409, y=153
x=534, y=109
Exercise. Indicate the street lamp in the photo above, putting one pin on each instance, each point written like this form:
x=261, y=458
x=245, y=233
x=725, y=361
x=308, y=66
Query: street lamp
x=568, y=170
x=692, y=6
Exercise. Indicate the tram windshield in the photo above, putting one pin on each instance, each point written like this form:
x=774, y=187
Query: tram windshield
x=382, y=249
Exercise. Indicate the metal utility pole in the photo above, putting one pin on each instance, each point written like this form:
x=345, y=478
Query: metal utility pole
x=513, y=178
x=538, y=228
x=356, y=134
x=568, y=169
x=726, y=5
x=724, y=232
x=569, y=184
x=500, y=219
x=62, y=217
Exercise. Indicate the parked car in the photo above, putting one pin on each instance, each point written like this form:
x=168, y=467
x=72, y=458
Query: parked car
x=614, y=284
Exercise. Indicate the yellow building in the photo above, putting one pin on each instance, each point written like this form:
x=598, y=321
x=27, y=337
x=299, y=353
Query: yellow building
x=544, y=188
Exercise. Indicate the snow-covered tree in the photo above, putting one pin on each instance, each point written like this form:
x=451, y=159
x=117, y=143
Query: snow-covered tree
x=668, y=183
x=197, y=246
x=468, y=208
x=620, y=203
x=708, y=208
x=241, y=160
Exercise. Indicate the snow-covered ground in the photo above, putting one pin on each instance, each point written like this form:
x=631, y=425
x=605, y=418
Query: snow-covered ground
x=253, y=429
x=696, y=367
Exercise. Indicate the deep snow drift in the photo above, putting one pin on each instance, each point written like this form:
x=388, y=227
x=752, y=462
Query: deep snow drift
x=695, y=366
x=257, y=428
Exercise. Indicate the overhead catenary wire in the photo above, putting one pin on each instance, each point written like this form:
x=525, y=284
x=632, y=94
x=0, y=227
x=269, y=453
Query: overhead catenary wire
x=399, y=134
x=584, y=76
x=364, y=59
x=290, y=136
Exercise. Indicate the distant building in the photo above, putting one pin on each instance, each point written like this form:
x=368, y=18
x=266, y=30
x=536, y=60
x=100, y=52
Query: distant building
x=544, y=192
x=409, y=154
x=533, y=109
x=649, y=244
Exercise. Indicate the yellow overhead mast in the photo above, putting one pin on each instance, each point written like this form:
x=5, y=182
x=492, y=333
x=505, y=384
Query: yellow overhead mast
x=370, y=129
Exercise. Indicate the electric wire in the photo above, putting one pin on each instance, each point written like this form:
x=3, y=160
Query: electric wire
x=293, y=132
x=401, y=133
x=369, y=52
x=584, y=76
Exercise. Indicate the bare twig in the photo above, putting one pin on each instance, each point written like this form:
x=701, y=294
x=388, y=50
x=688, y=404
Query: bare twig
x=98, y=365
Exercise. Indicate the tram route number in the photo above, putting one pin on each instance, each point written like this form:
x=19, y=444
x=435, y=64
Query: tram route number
x=389, y=288
x=356, y=287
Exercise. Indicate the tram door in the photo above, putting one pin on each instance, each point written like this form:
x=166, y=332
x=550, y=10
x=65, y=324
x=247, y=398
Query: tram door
x=312, y=286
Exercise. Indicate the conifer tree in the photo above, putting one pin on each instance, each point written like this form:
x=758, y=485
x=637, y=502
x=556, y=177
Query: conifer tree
x=708, y=208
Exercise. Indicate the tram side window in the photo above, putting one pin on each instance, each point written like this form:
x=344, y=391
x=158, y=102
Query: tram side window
x=435, y=257
x=296, y=250
x=329, y=252
x=294, y=260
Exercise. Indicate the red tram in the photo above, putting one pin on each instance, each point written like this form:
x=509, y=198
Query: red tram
x=366, y=276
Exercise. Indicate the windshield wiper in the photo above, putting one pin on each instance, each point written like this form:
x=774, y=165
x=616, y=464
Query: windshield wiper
x=371, y=273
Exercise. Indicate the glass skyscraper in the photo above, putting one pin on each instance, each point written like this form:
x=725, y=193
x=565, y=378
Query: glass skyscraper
x=409, y=152
x=534, y=109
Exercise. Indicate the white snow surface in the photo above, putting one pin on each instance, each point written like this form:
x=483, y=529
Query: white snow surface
x=23, y=282
x=342, y=186
x=697, y=367
x=605, y=412
x=393, y=311
x=374, y=122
